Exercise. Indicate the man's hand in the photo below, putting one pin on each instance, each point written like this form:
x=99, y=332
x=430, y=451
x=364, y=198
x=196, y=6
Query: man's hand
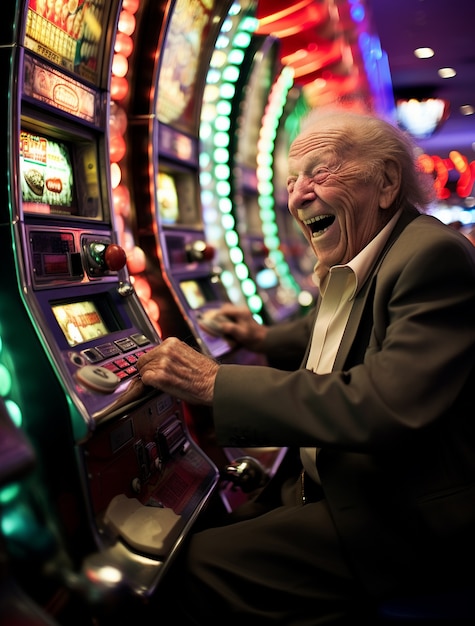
x=238, y=324
x=176, y=368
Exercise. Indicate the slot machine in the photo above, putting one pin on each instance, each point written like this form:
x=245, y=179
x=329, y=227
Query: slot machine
x=121, y=481
x=166, y=184
x=165, y=176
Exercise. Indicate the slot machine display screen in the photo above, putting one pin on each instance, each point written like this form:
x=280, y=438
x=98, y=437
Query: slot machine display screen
x=193, y=293
x=79, y=321
x=167, y=199
x=178, y=197
x=68, y=33
x=46, y=172
x=59, y=177
x=182, y=62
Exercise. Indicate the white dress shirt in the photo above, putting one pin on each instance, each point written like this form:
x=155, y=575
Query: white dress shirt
x=338, y=294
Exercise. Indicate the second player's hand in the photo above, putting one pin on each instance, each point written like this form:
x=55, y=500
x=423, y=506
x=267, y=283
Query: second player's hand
x=238, y=324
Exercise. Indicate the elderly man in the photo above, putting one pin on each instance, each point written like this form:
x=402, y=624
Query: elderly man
x=380, y=410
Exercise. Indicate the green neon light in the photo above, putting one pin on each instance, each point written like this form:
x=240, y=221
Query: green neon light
x=242, y=271
x=221, y=140
x=249, y=287
x=222, y=123
x=242, y=40
x=14, y=412
x=236, y=255
x=255, y=303
x=236, y=57
x=5, y=381
x=231, y=73
x=222, y=171
x=228, y=221
x=227, y=91
x=8, y=494
x=221, y=155
x=216, y=115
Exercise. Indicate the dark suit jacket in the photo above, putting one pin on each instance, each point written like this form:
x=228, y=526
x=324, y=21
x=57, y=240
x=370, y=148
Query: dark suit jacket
x=395, y=420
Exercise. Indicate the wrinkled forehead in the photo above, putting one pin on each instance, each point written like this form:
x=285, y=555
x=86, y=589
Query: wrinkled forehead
x=318, y=143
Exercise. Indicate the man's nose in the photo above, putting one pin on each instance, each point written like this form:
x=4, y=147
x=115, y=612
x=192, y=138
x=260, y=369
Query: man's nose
x=304, y=186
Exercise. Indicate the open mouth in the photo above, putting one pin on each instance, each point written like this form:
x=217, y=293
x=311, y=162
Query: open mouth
x=319, y=223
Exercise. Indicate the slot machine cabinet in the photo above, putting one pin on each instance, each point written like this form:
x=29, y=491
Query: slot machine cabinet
x=164, y=122
x=165, y=182
x=122, y=481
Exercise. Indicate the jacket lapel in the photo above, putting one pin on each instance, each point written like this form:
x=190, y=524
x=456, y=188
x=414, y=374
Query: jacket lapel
x=366, y=291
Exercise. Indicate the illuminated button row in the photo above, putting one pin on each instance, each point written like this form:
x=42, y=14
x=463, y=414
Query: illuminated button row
x=108, y=350
x=125, y=366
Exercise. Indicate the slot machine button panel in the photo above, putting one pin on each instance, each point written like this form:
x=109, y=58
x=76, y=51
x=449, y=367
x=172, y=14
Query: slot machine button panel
x=140, y=339
x=126, y=344
x=91, y=355
x=107, y=350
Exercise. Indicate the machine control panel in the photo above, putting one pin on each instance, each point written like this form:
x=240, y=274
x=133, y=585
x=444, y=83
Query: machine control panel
x=147, y=477
x=69, y=255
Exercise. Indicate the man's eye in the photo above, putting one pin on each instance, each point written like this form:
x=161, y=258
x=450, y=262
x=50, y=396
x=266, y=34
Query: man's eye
x=321, y=175
x=291, y=184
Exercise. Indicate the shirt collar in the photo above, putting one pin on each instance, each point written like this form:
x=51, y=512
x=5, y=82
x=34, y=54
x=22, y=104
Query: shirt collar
x=362, y=263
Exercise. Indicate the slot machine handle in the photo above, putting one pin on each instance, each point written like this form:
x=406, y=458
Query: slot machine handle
x=105, y=256
x=246, y=472
x=200, y=251
x=115, y=257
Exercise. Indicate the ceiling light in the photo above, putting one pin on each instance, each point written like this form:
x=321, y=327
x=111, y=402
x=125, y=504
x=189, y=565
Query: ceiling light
x=423, y=53
x=421, y=118
x=446, y=72
x=467, y=109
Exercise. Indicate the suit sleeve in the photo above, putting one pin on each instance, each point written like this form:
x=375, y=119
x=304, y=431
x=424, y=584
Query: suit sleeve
x=286, y=343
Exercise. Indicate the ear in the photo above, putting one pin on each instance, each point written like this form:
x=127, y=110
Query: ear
x=391, y=183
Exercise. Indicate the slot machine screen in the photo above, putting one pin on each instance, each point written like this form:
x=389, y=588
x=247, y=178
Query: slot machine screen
x=193, y=293
x=57, y=177
x=167, y=198
x=79, y=321
x=178, y=197
x=183, y=62
x=68, y=33
x=47, y=182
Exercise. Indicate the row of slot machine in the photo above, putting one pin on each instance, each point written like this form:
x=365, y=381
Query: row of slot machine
x=132, y=206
